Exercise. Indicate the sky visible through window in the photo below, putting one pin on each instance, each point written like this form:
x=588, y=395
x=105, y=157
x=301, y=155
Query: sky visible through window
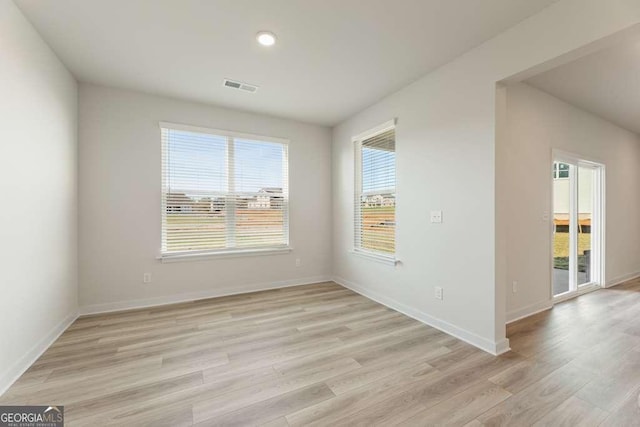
x=257, y=165
x=197, y=164
x=378, y=170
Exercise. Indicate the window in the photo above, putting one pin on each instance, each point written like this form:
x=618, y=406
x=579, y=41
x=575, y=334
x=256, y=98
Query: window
x=375, y=192
x=560, y=170
x=222, y=192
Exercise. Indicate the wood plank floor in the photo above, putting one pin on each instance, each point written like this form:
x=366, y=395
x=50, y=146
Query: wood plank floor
x=323, y=355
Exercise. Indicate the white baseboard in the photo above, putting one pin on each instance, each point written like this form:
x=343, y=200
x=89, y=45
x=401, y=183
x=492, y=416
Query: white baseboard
x=495, y=348
x=529, y=310
x=621, y=279
x=536, y=308
x=194, y=296
x=8, y=377
x=14, y=372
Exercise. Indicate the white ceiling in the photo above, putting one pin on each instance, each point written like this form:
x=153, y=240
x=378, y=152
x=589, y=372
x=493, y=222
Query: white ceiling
x=333, y=57
x=606, y=83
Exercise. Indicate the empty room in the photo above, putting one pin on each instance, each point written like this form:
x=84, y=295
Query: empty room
x=332, y=213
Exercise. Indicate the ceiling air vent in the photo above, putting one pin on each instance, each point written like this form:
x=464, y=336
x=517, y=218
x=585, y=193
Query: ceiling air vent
x=234, y=84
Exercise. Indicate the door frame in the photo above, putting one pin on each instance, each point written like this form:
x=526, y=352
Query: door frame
x=598, y=217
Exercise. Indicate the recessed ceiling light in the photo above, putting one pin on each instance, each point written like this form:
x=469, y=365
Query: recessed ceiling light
x=266, y=38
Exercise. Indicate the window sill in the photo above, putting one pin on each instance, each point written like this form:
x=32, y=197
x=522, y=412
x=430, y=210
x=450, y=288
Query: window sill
x=233, y=253
x=388, y=260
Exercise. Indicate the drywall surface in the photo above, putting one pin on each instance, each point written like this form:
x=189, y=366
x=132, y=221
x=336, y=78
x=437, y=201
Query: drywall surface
x=120, y=196
x=38, y=171
x=537, y=124
x=446, y=154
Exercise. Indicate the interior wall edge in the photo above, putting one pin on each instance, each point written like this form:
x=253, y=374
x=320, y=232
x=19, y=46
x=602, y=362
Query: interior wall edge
x=495, y=348
x=621, y=279
x=14, y=372
x=530, y=310
x=195, y=296
x=39, y=164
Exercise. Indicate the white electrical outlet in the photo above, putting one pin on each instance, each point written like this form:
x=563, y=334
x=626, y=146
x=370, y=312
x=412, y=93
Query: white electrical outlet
x=298, y=262
x=146, y=278
x=439, y=293
x=514, y=286
x=436, y=217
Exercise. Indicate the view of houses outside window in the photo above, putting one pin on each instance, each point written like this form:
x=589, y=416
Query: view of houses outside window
x=375, y=221
x=222, y=192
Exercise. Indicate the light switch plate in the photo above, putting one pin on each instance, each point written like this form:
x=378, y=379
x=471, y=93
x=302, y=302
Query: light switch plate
x=436, y=217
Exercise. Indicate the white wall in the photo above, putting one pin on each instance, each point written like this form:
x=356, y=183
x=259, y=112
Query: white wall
x=538, y=123
x=446, y=161
x=38, y=228
x=446, y=158
x=120, y=203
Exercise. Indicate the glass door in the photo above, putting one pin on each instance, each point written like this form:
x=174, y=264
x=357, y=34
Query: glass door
x=585, y=224
x=577, y=219
x=562, y=259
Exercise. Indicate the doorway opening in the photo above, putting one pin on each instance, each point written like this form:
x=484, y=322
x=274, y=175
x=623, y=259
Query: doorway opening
x=578, y=231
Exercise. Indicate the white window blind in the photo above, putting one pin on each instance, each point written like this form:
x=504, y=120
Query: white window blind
x=375, y=192
x=222, y=192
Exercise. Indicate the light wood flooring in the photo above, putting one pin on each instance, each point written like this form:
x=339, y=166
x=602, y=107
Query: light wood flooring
x=323, y=355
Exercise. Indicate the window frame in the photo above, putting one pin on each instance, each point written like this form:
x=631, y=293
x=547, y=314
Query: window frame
x=228, y=251
x=390, y=258
x=557, y=171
